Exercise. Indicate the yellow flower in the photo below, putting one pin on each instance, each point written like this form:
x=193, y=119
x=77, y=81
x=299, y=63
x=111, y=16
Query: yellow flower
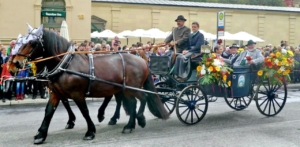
x=224, y=77
x=279, y=71
x=260, y=73
x=288, y=71
x=229, y=83
x=198, y=68
x=213, y=55
x=210, y=68
x=285, y=73
x=218, y=68
x=290, y=53
x=279, y=63
x=278, y=54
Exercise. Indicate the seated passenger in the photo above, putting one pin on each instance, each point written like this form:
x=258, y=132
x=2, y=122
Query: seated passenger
x=233, y=54
x=182, y=66
x=251, y=51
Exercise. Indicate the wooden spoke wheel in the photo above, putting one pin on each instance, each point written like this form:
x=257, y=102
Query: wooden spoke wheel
x=169, y=97
x=270, y=98
x=239, y=103
x=191, y=105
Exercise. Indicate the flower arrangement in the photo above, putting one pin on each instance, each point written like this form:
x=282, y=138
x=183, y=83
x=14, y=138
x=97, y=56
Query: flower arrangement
x=277, y=66
x=213, y=69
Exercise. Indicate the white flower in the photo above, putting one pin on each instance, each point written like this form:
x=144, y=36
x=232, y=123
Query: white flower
x=203, y=71
x=282, y=68
x=283, y=51
x=217, y=62
x=276, y=61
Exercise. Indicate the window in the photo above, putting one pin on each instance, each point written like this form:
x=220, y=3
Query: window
x=53, y=13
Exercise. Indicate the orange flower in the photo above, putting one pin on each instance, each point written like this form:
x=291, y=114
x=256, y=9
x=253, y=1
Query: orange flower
x=207, y=63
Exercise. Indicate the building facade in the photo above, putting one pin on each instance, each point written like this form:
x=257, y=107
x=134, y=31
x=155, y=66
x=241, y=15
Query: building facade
x=271, y=24
x=14, y=14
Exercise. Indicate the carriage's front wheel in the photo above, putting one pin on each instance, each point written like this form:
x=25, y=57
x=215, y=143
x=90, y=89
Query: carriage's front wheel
x=169, y=97
x=191, y=105
x=270, y=97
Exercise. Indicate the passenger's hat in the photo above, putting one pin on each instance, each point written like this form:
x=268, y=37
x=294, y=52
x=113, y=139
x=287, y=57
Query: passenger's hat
x=250, y=42
x=234, y=46
x=180, y=17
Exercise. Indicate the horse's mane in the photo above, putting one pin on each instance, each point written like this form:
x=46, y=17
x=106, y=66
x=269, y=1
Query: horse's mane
x=55, y=44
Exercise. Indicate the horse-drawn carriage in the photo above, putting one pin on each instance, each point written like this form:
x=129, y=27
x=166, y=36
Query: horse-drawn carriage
x=191, y=99
x=76, y=75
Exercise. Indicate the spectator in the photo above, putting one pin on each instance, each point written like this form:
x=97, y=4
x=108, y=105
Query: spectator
x=82, y=47
x=10, y=47
x=7, y=84
x=92, y=45
x=124, y=47
x=296, y=76
x=58, y=33
x=98, y=47
x=108, y=47
x=86, y=42
x=114, y=42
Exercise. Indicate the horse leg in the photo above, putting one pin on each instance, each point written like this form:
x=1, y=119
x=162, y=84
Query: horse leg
x=49, y=111
x=72, y=118
x=130, y=102
x=102, y=108
x=90, y=134
x=140, y=115
x=113, y=120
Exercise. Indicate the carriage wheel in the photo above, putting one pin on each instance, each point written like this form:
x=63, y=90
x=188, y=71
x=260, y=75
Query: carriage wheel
x=239, y=103
x=191, y=105
x=270, y=98
x=169, y=101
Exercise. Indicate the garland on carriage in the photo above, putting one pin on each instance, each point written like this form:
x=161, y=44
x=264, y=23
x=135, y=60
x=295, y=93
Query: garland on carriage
x=213, y=69
x=277, y=67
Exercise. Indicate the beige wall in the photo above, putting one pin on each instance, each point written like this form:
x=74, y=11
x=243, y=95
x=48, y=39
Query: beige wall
x=13, y=19
x=270, y=26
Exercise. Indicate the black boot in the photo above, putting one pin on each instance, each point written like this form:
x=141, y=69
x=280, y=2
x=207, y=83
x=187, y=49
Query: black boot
x=3, y=100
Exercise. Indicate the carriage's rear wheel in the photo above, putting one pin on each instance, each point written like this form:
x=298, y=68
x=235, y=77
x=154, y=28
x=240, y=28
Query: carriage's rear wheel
x=191, y=105
x=239, y=103
x=270, y=98
x=170, y=96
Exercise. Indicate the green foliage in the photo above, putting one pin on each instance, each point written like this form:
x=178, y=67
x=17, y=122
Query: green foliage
x=279, y=3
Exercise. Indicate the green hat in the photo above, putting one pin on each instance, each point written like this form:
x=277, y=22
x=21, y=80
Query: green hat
x=250, y=42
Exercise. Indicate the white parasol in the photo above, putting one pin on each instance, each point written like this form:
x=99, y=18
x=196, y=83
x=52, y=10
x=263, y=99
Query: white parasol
x=64, y=30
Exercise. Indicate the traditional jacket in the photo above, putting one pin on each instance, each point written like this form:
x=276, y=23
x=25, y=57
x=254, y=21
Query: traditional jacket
x=181, y=35
x=195, y=42
x=256, y=55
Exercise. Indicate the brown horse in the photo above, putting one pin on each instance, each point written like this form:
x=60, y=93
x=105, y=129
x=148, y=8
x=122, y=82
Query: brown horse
x=68, y=79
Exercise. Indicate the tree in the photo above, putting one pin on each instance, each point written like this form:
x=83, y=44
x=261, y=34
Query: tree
x=246, y=2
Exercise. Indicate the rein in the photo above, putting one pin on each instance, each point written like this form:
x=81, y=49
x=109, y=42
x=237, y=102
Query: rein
x=80, y=52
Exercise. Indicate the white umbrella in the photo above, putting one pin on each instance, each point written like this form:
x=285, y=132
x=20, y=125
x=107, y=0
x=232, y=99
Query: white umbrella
x=228, y=36
x=208, y=35
x=138, y=33
x=107, y=34
x=64, y=30
x=244, y=36
x=155, y=33
x=94, y=34
x=125, y=33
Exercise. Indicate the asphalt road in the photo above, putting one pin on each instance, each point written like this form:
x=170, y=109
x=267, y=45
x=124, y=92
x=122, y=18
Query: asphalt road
x=221, y=126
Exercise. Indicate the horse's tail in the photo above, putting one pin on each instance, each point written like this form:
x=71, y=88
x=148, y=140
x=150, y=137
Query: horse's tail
x=155, y=105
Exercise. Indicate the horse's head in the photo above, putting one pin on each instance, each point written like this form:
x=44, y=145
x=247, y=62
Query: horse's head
x=30, y=48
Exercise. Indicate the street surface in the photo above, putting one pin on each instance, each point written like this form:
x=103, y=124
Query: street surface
x=221, y=127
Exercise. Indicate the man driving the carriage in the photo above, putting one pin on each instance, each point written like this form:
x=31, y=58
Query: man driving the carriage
x=251, y=56
x=192, y=45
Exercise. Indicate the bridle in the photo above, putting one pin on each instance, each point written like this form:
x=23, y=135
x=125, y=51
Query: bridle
x=39, y=41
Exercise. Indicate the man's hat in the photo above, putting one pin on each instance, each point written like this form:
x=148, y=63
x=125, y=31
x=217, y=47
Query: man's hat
x=250, y=42
x=234, y=46
x=180, y=17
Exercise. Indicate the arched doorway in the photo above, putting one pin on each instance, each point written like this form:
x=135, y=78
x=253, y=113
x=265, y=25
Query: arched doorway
x=53, y=13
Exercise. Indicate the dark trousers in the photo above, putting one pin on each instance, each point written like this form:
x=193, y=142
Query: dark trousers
x=38, y=86
x=7, y=89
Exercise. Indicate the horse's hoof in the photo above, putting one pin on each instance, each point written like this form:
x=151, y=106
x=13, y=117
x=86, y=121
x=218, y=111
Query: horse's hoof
x=39, y=141
x=70, y=126
x=127, y=131
x=89, y=136
x=142, y=122
x=100, y=119
x=39, y=138
x=112, y=122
